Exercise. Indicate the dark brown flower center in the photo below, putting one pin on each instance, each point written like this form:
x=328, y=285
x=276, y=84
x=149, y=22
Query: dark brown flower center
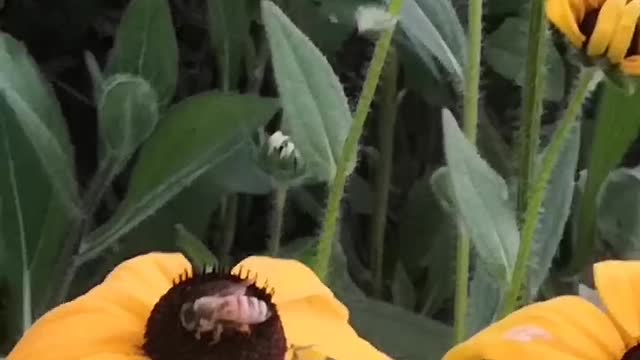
x=225, y=324
x=632, y=354
x=588, y=25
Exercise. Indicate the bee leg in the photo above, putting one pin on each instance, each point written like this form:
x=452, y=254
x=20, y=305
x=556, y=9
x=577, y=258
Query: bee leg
x=215, y=334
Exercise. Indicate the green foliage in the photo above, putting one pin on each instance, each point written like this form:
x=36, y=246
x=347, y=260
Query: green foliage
x=228, y=24
x=36, y=111
x=316, y=112
x=481, y=199
x=148, y=125
x=146, y=45
x=198, y=141
x=617, y=127
x=506, y=53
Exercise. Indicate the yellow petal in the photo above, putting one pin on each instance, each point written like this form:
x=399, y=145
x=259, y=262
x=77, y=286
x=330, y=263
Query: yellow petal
x=618, y=283
x=564, y=328
x=310, y=313
x=107, y=322
x=291, y=279
x=565, y=14
x=605, y=26
x=631, y=65
x=624, y=32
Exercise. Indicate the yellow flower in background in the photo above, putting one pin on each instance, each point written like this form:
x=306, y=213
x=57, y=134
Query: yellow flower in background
x=137, y=314
x=568, y=327
x=602, y=28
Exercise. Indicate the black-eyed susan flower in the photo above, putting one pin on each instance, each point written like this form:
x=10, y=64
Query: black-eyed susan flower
x=144, y=310
x=603, y=29
x=568, y=327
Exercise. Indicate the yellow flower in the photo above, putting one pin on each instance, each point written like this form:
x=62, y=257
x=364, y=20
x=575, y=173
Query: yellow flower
x=568, y=327
x=134, y=315
x=603, y=28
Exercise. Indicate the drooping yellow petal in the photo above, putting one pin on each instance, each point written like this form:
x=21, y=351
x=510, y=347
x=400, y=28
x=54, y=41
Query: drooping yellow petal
x=310, y=313
x=594, y=4
x=631, y=65
x=618, y=283
x=565, y=14
x=624, y=32
x=564, y=328
x=606, y=24
x=107, y=322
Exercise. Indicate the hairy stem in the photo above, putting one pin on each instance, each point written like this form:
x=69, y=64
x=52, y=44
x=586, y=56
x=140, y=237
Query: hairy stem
x=336, y=190
x=532, y=96
x=389, y=107
x=586, y=82
x=277, y=217
x=471, y=101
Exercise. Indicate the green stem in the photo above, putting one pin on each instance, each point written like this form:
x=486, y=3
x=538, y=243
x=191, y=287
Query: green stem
x=277, y=217
x=461, y=304
x=587, y=80
x=336, y=190
x=532, y=95
x=471, y=101
x=389, y=107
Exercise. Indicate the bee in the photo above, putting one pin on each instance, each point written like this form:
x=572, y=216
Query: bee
x=230, y=308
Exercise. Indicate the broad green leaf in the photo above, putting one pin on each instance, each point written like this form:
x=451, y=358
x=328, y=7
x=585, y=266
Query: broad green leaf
x=193, y=248
x=242, y=173
x=127, y=114
x=33, y=223
x=316, y=112
x=38, y=114
x=481, y=197
x=19, y=206
x=619, y=211
x=146, y=45
x=434, y=30
x=192, y=208
x=485, y=296
x=397, y=332
x=618, y=123
x=193, y=136
x=228, y=24
x=506, y=53
x=425, y=229
x=555, y=212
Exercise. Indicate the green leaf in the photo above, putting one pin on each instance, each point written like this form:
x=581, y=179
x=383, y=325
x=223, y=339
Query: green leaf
x=617, y=127
x=228, y=24
x=426, y=235
x=506, y=53
x=434, y=30
x=197, y=253
x=38, y=114
x=619, y=211
x=242, y=173
x=328, y=23
x=485, y=296
x=316, y=112
x=481, y=198
x=194, y=135
x=33, y=225
x=146, y=45
x=127, y=114
x=397, y=332
x=556, y=209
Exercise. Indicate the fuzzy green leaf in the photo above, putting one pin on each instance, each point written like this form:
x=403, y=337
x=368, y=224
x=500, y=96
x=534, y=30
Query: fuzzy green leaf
x=316, y=112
